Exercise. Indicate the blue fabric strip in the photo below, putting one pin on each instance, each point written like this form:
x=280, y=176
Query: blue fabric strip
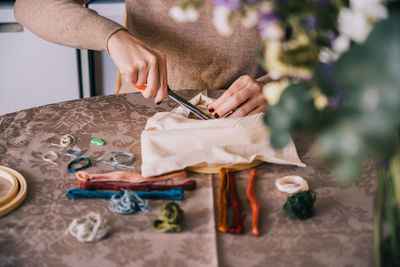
x=173, y=194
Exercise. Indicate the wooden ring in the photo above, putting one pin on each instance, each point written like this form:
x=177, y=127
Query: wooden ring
x=21, y=194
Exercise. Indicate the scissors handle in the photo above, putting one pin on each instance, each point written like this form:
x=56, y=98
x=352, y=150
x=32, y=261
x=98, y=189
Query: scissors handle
x=140, y=87
x=181, y=101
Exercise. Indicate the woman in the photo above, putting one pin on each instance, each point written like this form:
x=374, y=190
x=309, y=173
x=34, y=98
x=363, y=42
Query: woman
x=157, y=51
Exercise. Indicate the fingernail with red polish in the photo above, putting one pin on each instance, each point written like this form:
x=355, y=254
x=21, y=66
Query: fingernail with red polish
x=158, y=103
x=211, y=110
x=216, y=115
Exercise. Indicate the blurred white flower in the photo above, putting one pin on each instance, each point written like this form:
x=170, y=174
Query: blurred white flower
x=354, y=25
x=356, y=22
x=373, y=9
x=327, y=55
x=272, y=31
x=250, y=19
x=179, y=14
x=191, y=14
x=266, y=7
x=221, y=20
x=341, y=44
x=320, y=100
x=273, y=90
x=350, y=143
x=371, y=98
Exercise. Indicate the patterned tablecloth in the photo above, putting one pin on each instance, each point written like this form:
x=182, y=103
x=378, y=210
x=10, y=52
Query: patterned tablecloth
x=340, y=233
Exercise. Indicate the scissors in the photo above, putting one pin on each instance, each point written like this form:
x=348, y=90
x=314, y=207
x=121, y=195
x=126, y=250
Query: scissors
x=181, y=101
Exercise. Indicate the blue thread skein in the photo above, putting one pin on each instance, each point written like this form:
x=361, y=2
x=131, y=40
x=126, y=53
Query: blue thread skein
x=126, y=202
x=173, y=194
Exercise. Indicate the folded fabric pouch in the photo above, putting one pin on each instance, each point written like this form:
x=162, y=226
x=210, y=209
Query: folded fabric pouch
x=174, y=141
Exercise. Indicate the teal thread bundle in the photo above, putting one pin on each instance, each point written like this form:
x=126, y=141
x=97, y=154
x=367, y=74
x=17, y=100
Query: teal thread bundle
x=127, y=202
x=172, y=219
x=173, y=194
x=300, y=205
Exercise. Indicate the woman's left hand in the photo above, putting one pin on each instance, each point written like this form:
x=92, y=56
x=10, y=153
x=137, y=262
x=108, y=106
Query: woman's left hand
x=244, y=97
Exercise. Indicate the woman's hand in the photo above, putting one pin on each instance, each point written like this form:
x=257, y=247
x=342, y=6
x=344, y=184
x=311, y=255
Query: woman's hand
x=139, y=64
x=244, y=97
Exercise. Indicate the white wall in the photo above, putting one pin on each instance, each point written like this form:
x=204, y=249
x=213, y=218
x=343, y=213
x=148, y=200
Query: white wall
x=33, y=72
x=105, y=69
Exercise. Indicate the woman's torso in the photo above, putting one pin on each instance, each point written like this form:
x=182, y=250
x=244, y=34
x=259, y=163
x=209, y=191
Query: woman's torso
x=198, y=57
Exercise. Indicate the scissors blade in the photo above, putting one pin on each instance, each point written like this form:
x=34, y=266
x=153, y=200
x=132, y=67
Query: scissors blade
x=183, y=102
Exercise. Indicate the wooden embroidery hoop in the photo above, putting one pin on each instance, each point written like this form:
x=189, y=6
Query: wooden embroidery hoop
x=16, y=194
x=232, y=168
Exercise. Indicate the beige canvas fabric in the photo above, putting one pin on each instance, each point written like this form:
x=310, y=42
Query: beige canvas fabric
x=175, y=141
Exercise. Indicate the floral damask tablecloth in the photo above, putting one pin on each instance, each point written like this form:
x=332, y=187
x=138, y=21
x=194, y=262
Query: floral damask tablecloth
x=339, y=234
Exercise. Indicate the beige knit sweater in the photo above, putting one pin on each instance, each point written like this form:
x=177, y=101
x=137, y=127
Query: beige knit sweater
x=197, y=56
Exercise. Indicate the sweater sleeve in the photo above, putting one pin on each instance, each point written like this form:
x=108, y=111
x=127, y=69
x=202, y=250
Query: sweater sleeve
x=66, y=22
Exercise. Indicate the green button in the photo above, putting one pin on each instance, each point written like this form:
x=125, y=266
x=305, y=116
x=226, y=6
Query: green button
x=97, y=141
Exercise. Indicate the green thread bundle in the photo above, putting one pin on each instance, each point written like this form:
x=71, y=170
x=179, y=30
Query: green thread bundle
x=172, y=219
x=300, y=205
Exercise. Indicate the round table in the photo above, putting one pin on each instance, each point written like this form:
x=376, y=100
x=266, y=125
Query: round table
x=339, y=234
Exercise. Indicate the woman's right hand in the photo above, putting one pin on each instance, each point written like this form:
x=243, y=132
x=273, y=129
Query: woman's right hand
x=139, y=64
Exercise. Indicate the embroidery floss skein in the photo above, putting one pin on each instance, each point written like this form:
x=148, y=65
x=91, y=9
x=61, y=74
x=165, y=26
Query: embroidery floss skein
x=300, y=205
x=66, y=141
x=113, y=161
x=237, y=226
x=78, y=160
x=127, y=202
x=129, y=177
x=173, y=194
x=88, y=185
x=74, y=152
x=255, y=207
x=291, y=184
x=50, y=157
x=89, y=228
x=223, y=202
x=172, y=219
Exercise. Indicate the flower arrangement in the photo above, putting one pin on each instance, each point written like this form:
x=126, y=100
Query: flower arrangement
x=302, y=42
x=335, y=70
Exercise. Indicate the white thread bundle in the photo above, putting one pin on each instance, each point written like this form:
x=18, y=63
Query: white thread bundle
x=66, y=141
x=74, y=152
x=291, y=184
x=89, y=228
x=113, y=161
x=50, y=157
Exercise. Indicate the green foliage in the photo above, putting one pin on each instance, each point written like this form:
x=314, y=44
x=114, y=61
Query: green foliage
x=301, y=56
x=297, y=14
x=367, y=122
x=387, y=224
x=295, y=110
x=369, y=118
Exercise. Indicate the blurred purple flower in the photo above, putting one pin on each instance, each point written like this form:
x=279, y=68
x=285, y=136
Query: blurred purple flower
x=312, y=22
x=265, y=20
x=231, y=4
x=331, y=36
x=339, y=93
